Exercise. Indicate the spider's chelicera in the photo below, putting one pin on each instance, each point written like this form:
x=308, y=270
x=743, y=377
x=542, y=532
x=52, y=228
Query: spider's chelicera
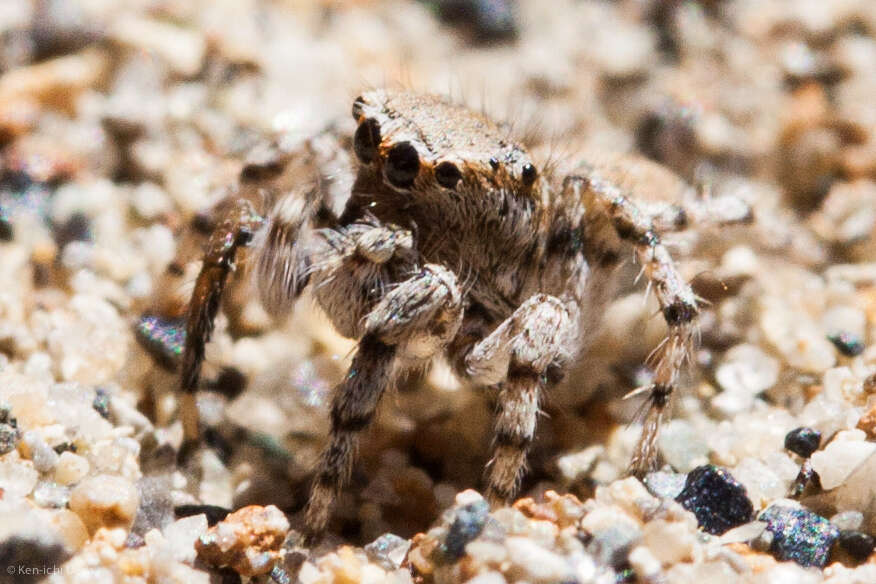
x=444, y=196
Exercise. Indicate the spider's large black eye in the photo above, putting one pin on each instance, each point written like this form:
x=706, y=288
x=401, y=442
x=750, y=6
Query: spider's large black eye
x=402, y=165
x=529, y=174
x=447, y=175
x=366, y=140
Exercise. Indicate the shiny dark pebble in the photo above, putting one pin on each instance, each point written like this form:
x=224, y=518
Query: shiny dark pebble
x=280, y=575
x=487, y=20
x=799, y=535
x=857, y=544
x=718, y=500
x=803, y=441
x=164, y=339
x=848, y=344
x=467, y=525
x=101, y=402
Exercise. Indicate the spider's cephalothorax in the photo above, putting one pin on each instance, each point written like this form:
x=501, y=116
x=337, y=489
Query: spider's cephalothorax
x=452, y=241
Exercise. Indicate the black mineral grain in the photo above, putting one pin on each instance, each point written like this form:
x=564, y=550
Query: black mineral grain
x=799, y=535
x=101, y=403
x=848, y=344
x=467, y=525
x=803, y=441
x=162, y=338
x=718, y=500
x=857, y=544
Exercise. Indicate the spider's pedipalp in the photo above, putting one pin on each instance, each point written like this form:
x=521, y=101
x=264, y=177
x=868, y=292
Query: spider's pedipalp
x=281, y=267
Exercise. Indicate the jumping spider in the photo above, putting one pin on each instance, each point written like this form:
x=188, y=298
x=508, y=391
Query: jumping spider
x=453, y=242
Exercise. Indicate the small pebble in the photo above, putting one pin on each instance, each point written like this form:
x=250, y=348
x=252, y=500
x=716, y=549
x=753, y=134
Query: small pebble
x=841, y=457
x=280, y=575
x=43, y=456
x=388, y=550
x=799, y=535
x=76, y=228
x=105, y=501
x=533, y=563
x=847, y=343
x=467, y=525
x=665, y=485
x=51, y=494
x=182, y=534
x=490, y=20
x=682, y=447
x=71, y=468
x=717, y=499
x=101, y=403
x=611, y=546
x=162, y=338
x=858, y=544
x=248, y=540
x=848, y=520
x=803, y=441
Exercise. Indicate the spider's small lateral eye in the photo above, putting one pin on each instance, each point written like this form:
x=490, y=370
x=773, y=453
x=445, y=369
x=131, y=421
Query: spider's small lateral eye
x=447, y=175
x=529, y=174
x=366, y=140
x=402, y=165
x=358, y=104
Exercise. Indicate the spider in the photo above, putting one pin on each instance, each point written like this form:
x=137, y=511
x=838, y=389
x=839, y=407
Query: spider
x=452, y=241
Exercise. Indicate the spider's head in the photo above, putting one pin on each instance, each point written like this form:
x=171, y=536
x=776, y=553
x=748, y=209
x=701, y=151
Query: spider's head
x=427, y=146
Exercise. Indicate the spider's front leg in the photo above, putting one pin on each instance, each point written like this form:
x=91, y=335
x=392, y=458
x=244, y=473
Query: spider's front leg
x=234, y=231
x=677, y=302
x=408, y=325
x=522, y=356
x=279, y=239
